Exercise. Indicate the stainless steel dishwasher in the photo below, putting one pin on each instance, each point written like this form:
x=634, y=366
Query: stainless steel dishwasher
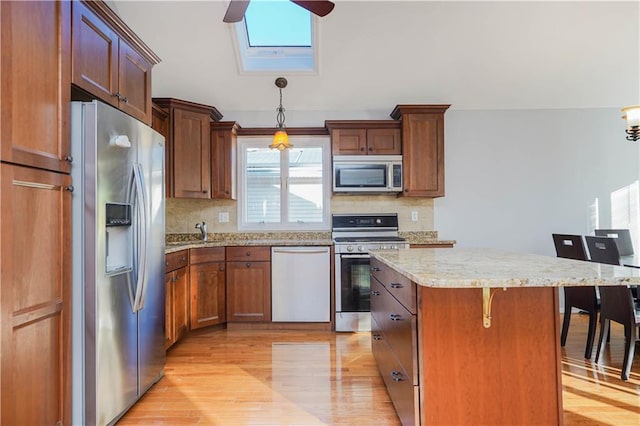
x=300, y=284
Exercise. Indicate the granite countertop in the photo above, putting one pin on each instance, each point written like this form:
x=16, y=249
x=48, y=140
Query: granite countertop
x=482, y=267
x=177, y=242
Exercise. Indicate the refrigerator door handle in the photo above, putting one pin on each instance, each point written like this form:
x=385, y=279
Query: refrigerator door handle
x=146, y=229
x=139, y=199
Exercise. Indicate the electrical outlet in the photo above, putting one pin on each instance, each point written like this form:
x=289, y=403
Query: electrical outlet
x=223, y=217
x=414, y=216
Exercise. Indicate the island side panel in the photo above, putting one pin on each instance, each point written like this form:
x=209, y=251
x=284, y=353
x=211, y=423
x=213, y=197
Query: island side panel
x=507, y=374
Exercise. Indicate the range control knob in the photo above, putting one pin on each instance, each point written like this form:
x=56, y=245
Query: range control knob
x=378, y=221
x=382, y=247
x=360, y=248
x=349, y=248
x=393, y=247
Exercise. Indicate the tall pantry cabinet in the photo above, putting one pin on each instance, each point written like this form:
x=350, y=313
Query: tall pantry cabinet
x=35, y=201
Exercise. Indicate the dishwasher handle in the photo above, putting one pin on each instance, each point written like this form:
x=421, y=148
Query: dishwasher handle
x=303, y=250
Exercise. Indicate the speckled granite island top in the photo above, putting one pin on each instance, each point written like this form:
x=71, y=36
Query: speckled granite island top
x=483, y=267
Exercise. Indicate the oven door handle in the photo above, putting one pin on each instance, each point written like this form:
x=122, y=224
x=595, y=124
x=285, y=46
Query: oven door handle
x=354, y=256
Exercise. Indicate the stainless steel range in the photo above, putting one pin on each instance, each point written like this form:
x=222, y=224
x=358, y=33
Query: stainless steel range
x=354, y=235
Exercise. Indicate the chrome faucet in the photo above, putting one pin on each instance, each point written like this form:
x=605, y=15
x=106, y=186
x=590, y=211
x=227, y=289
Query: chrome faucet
x=203, y=229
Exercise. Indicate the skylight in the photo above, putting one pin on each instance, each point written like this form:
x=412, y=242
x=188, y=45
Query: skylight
x=276, y=36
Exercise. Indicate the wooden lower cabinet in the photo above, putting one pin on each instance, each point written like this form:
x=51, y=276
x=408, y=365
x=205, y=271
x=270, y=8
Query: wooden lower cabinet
x=35, y=297
x=249, y=284
x=207, y=287
x=176, y=296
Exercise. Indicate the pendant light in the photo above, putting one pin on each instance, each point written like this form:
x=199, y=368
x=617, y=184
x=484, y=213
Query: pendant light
x=632, y=115
x=280, y=139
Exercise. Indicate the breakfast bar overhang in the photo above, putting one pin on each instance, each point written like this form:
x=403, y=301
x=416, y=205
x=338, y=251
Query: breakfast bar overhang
x=485, y=346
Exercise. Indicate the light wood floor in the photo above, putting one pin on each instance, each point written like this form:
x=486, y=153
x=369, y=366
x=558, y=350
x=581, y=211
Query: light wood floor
x=300, y=378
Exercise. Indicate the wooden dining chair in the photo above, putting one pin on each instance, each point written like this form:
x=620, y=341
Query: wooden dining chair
x=583, y=298
x=617, y=304
x=603, y=250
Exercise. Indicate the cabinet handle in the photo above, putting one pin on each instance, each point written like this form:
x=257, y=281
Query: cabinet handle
x=375, y=293
x=396, y=376
x=68, y=159
x=396, y=285
x=248, y=265
x=69, y=188
x=377, y=337
x=395, y=317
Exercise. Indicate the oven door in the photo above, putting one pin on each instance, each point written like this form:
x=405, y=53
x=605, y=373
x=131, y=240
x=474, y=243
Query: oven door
x=352, y=283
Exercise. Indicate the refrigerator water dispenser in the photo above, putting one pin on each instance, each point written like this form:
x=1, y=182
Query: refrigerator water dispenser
x=118, y=238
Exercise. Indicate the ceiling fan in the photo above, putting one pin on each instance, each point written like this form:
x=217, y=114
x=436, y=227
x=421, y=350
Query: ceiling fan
x=237, y=8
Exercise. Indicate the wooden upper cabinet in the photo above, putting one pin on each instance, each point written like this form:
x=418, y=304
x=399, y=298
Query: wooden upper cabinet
x=188, y=147
x=35, y=296
x=422, y=148
x=109, y=61
x=34, y=95
x=224, y=138
x=363, y=137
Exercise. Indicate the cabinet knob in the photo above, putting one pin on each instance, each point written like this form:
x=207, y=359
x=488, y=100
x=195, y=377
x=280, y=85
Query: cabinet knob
x=375, y=269
x=69, y=188
x=396, y=285
x=221, y=268
x=125, y=100
x=377, y=337
x=370, y=149
x=204, y=191
x=361, y=149
x=396, y=376
x=182, y=258
x=116, y=95
x=375, y=293
x=395, y=317
x=406, y=190
x=68, y=159
x=248, y=265
x=166, y=263
x=248, y=253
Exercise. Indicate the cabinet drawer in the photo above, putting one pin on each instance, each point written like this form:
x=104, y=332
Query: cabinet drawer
x=400, y=286
x=397, y=326
x=176, y=260
x=206, y=255
x=404, y=395
x=249, y=253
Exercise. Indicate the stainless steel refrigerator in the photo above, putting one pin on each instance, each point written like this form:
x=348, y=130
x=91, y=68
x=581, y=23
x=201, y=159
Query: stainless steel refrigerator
x=118, y=261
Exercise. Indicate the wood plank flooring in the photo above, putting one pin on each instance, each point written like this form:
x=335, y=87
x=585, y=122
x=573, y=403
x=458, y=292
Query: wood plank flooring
x=261, y=377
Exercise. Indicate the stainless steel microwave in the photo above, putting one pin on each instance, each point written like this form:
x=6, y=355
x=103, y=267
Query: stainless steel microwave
x=367, y=173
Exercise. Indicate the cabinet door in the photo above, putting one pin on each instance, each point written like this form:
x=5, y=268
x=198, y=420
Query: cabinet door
x=95, y=55
x=35, y=296
x=191, y=154
x=181, y=303
x=223, y=158
x=249, y=291
x=423, y=155
x=348, y=141
x=169, y=329
x=34, y=96
x=134, y=83
x=384, y=142
x=207, y=287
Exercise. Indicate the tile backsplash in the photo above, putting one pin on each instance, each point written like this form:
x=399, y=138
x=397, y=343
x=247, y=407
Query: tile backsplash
x=183, y=214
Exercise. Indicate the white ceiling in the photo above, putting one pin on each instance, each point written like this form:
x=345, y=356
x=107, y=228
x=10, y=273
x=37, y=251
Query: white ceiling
x=376, y=54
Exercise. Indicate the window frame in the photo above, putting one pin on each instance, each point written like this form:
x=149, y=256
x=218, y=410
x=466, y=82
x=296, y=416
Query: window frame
x=294, y=60
x=248, y=142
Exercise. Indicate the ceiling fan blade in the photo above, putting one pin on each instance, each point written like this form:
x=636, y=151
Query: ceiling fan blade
x=235, y=11
x=317, y=7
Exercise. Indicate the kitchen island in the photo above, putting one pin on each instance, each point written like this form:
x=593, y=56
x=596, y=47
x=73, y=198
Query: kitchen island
x=471, y=336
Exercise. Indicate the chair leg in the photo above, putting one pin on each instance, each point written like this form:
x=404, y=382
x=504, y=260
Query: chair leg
x=604, y=332
x=629, y=350
x=565, y=324
x=593, y=319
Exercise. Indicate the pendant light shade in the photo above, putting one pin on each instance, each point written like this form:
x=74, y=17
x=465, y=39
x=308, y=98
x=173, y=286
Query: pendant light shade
x=280, y=139
x=632, y=115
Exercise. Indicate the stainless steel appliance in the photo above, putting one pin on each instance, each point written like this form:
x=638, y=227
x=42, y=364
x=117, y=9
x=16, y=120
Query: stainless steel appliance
x=300, y=284
x=118, y=261
x=354, y=235
x=367, y=173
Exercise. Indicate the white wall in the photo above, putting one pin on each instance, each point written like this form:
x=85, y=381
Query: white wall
x=513, y=178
